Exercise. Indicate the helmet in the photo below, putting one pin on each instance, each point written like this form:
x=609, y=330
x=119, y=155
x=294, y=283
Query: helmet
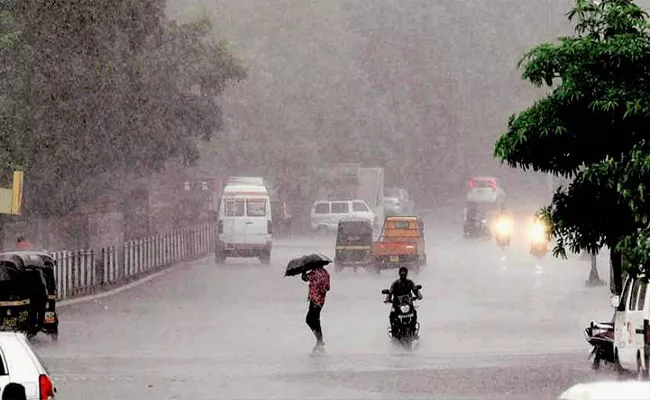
x=403, y=271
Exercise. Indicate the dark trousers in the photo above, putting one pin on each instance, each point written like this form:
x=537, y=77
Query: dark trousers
x=313, y=320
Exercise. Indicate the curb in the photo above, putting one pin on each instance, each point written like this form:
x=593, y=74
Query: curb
x=132, y=285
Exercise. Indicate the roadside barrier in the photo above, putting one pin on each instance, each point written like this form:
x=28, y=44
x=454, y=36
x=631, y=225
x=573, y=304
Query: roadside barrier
x=83, y=272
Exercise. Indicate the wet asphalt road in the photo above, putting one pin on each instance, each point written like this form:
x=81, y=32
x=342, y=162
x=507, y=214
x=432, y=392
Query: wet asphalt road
x=491, y=328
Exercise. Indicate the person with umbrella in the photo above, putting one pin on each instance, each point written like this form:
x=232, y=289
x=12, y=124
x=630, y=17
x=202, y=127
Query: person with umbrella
x=312, y=269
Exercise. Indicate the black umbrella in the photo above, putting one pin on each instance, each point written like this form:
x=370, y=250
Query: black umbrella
x=306, y=263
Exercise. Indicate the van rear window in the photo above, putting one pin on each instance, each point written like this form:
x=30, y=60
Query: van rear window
x=322, y=208
x=235, y=208
x=256, y=208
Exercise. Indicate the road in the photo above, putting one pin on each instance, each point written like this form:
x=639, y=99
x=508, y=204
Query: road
x=491, y=328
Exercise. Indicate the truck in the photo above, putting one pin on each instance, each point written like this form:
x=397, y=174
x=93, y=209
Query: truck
x=354, y=182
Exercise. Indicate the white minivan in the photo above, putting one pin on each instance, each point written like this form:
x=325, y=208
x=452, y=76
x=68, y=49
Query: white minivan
x=631, y=326
x=325, y=215
x=244, y=223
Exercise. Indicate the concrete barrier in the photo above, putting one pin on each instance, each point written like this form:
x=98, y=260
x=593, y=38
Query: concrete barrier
x=90, y=271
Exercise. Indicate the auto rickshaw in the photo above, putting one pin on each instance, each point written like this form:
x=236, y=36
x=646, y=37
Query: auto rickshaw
x=353, y=244
x=41, y=266
x=401, y=243
x=16, y=298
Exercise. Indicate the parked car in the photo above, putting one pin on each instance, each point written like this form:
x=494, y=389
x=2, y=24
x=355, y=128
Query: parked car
x=608, y=390
x=632, y=327
x=398, y=202
x=325, y=214
x=19, y=363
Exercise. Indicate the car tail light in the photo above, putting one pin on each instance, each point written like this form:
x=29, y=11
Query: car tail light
x=46, y=388
x=269, y=227
x=493, y=185
x=471, y=183
x=220, y=227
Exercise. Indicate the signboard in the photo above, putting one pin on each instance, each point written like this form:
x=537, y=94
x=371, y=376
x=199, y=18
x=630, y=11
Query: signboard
x=11, y=199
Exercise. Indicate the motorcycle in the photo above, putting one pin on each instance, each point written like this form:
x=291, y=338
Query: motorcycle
x=407, y=327
x=538, y=239
x=476, y=228
x=503, y=231
x=601, y=336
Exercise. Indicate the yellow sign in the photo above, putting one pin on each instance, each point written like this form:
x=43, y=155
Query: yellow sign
x=17, y=193
x=11, y=199
x=5, y=201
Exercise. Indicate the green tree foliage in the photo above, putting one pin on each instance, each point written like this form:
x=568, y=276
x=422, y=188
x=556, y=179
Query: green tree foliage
x=97, y=89
x=586, y=128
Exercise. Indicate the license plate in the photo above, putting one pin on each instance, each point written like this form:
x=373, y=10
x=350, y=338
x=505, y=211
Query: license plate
x=406, y=316
x=394, y=258
x=49, y=317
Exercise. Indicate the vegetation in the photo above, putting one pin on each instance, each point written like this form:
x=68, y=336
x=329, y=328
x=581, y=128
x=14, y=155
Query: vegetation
x=95, y=90
x=590, y=129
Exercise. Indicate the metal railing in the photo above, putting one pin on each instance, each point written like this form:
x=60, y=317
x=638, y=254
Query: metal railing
x=83, y=272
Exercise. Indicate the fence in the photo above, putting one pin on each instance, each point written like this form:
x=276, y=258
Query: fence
x=83, y=272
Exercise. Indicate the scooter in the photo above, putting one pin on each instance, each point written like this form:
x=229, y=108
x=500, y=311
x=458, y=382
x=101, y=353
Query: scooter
x=407, y=328
x=601, y=336
x=503, y=232
x=538, y=240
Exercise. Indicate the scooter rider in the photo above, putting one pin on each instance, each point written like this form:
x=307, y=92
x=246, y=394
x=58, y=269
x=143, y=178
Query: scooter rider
x=401, y=287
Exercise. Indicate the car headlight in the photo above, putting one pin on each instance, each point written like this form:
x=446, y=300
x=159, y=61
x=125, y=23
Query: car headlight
x=405, y=308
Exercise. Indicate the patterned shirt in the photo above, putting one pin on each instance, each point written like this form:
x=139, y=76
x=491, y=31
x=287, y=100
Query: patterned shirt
x=319, y=285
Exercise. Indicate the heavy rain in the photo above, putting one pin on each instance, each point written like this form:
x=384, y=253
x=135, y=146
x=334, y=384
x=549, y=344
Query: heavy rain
x=163, y=161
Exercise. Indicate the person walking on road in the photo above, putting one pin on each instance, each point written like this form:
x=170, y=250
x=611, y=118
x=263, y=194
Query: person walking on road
x=319, y=285
x=14, y=391
x=22, y=244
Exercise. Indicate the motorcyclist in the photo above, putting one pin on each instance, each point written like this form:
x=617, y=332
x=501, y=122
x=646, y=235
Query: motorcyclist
x=401, y=287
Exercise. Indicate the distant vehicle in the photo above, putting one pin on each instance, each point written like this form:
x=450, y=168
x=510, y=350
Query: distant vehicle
x=485, y=189
x=244, y=223
x=325, y=214
x=401, y=243
x=398, y=202
x=353, y=244
x=19, y=363
x=608, y=390
x=632, y=327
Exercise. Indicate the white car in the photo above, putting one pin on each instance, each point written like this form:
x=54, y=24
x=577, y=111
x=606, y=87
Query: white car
x=485, y=189
x=20, y=364
x=325, y=215
x=632, y=327
x=608, y=390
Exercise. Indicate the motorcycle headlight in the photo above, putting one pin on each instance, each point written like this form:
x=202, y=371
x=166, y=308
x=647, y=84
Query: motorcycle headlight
x=504, y=227
x=405, y=308
x=537, y=233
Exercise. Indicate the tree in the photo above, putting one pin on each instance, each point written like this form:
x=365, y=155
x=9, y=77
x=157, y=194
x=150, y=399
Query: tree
x=98, y=90
x=596, y=114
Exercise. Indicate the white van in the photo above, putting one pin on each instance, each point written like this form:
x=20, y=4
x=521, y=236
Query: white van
x=631, y=326
x=325, y=215
x=244, y=223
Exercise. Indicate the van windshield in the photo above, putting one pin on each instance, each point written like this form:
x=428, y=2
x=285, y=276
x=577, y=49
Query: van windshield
x=256, y=208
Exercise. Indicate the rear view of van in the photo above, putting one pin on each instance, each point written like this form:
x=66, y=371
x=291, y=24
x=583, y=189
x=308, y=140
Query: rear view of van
x=244, y=223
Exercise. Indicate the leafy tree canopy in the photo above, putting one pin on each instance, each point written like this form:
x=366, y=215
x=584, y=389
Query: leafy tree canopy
x=587, y=128
x=95, y=89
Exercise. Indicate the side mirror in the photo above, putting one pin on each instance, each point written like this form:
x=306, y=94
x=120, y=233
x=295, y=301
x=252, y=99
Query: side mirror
x=385, y=291
x=614, y=301
x=418, y=287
